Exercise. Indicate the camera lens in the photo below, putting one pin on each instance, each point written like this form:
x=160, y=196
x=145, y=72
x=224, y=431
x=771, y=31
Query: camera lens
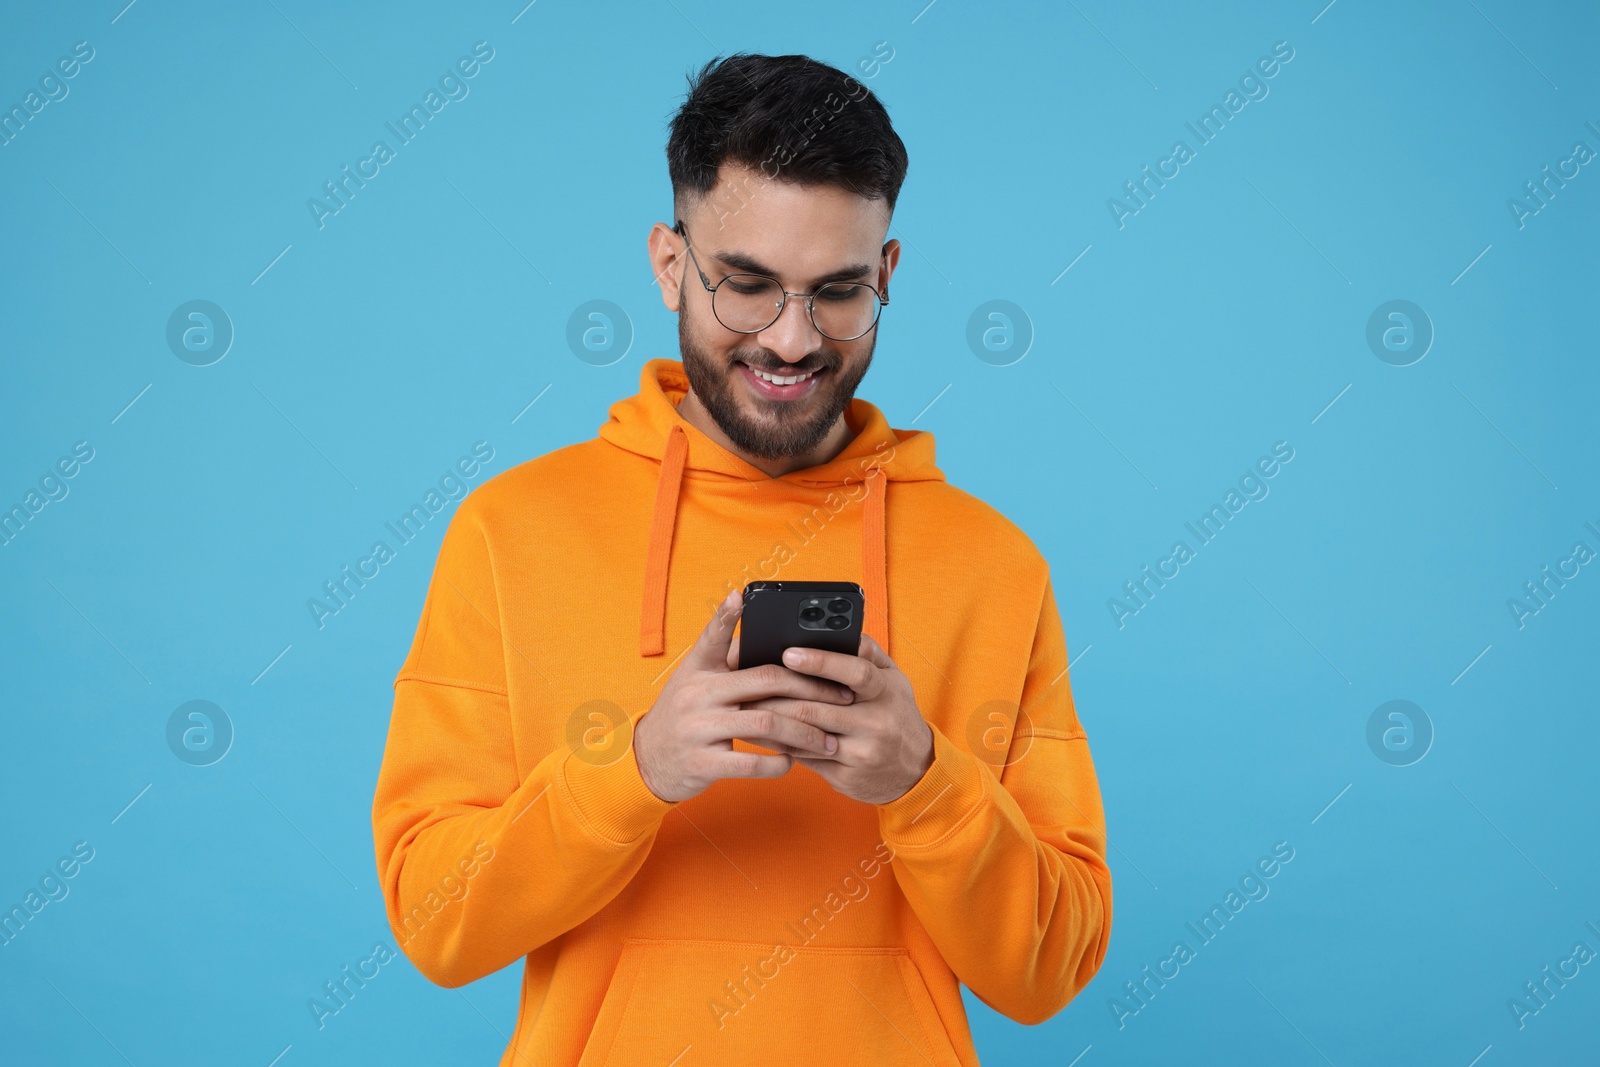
x=841, y=605
x=837, y=622
x=811, y=614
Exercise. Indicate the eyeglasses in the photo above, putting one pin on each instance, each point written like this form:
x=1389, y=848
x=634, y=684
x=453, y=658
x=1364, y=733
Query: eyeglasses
x=749, y=303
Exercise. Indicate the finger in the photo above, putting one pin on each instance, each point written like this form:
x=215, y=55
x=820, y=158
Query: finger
x=873, y=652
x=826, y=768
x=710, y=651
x=764, y=725
x=773, y=680
x=860, y=675
x=824, y=765
x=830, y=718
x=733, y=654
x=735, y=764
x=799, y=754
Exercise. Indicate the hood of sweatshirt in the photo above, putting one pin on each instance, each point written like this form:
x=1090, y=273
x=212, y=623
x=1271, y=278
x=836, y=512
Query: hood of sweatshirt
x=649, y=425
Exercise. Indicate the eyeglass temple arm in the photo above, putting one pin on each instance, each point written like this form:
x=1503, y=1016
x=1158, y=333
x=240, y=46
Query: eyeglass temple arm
x=683, y=231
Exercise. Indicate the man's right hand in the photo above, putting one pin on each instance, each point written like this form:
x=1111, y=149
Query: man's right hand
x=685, y=741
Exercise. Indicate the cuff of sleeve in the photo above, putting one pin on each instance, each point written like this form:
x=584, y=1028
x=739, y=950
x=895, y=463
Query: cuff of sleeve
x=944, y=798
x=613, y=797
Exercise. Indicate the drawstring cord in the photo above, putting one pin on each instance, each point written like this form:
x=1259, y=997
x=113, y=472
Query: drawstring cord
x=875, y=583
x=653, y=615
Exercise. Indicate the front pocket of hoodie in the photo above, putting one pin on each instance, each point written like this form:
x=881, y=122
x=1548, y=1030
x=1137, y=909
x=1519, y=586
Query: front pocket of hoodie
x=715, y=1002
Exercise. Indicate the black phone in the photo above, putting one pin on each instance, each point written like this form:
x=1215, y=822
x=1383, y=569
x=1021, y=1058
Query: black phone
x=780, y=615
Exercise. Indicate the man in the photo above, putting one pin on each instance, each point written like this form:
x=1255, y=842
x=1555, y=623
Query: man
x=576, y=774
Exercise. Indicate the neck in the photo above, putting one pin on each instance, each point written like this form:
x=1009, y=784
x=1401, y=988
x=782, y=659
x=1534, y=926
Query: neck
x=837, y=437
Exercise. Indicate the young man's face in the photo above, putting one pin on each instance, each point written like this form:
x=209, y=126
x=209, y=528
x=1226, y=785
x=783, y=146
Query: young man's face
x=802, y=235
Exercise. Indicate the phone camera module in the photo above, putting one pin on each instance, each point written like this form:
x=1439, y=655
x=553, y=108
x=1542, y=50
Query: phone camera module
x=826, y=613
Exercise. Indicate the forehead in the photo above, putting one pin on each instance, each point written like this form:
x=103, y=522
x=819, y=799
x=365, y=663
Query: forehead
x=799, y=231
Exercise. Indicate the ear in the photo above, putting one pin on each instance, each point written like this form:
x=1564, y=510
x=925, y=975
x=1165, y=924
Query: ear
x=667, y=262
x=891, y=259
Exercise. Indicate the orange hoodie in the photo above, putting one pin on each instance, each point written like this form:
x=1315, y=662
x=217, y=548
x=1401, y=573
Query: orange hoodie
x=769, y=920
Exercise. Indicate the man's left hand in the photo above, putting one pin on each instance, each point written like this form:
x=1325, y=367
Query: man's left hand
x=885, y=745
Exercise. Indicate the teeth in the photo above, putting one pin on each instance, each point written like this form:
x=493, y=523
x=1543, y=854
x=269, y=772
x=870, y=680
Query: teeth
x=779, y=379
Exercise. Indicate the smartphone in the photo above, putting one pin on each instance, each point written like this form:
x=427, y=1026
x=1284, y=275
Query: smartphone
x=780, y=615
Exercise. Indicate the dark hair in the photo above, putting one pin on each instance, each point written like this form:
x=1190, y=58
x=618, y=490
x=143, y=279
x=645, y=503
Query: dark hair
x=790, y=117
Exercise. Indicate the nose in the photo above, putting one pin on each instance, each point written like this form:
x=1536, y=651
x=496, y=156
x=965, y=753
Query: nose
x=793, y=336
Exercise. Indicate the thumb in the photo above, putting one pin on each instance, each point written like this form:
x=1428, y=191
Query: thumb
x=710, y=651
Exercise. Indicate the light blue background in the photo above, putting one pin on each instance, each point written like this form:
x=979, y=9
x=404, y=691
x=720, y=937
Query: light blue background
x=1225, y=316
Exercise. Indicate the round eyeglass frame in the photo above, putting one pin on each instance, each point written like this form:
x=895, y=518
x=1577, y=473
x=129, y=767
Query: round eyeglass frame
x=882, y=299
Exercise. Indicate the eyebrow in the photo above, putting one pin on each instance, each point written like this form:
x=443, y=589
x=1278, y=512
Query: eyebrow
x=743, y=264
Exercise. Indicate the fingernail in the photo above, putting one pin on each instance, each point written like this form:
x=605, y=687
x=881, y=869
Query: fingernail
x=792, y=656
x=830, y=745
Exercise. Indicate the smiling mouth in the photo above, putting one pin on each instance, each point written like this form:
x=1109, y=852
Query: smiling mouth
x=784, y=379
x=788, y=387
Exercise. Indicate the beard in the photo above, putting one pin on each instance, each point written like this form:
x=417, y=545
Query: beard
x=781, y=428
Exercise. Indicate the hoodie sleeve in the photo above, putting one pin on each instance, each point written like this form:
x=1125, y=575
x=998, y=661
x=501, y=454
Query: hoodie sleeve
x=478, y=865
x=1006, y=867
